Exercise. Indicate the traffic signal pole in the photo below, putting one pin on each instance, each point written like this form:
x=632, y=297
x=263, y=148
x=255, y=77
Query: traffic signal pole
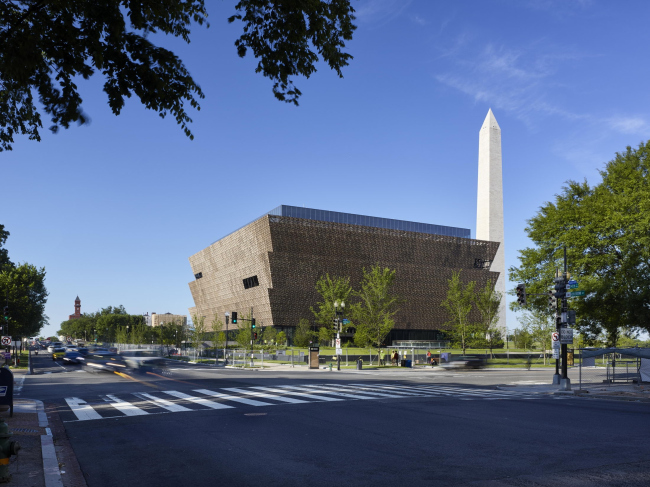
x=565, y=382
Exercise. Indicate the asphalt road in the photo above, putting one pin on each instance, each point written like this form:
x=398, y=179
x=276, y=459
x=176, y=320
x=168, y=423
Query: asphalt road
x=206, y=426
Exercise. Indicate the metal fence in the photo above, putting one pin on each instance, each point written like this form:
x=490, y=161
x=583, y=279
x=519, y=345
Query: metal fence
x=609, y=369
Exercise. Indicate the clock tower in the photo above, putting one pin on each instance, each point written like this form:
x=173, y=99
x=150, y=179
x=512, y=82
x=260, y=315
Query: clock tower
x=77, y=309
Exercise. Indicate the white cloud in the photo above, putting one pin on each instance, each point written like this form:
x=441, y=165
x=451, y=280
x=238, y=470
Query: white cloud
x=380, y=12
x=519, y=81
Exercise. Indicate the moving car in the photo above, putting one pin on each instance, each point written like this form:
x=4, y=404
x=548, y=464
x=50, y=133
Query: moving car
x=73, y=357
x=103, y=361
x=143, y=360
x=58, y=353
x=465, y=362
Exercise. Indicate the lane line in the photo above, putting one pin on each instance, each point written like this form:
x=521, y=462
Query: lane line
x=82, y=409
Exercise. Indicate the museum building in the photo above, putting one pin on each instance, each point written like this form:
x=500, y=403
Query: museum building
x=272, y=265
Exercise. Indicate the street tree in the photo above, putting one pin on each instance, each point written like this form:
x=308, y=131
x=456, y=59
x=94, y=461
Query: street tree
x=605, y=229
x=22, y=288
x=539, y=325
x=332, y=290
x=46, y=48
x=216, y=325
x=459, y=305
x=281, y=338
x=374, y=313
x=487, y=302
x=303, y=335
x=198, y=335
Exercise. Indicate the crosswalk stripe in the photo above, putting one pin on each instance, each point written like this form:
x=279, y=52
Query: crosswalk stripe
x=263, y=394
x=302, y=394
x=374, y=388
x=228, y=397
x=330, y=393
x=163, y=403
x=490, y=392
x=427, y=392
x=126, y=407
x=199, y=400
x=82, y=409
x=355, y=390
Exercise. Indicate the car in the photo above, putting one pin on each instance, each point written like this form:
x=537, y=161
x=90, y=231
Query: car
x=104, y=361
x=465, y=362
x=73, y=357
x=58, y=353
x=143, y=360
x=82, y=350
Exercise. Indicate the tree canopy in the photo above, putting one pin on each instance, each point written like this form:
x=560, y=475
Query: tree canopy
x=22, y=288
x=606, y=230
x=47, y=47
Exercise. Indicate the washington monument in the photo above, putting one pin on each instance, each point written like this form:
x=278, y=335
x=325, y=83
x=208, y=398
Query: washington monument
x=489, y=206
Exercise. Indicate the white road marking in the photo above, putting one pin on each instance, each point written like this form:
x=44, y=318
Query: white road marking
x=199, y=400
x=82, y=409
x=303, y=394
x=263, y=394
x=331, y=393
x=126, y=407
x=228, y=397
x=163, y=403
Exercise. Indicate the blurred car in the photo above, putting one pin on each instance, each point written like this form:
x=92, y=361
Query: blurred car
x=58, y=353
x=82, y=350
x=73, y=357
x=103, y=361
x=465, y=362
x=143, y=360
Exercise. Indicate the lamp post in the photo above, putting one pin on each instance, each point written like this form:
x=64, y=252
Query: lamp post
x=338, y=312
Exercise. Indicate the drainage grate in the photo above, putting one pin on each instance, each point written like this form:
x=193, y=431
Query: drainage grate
x=25, y=430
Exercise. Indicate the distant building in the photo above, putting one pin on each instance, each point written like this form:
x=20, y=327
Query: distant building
x=77, y=309
x=168, y=318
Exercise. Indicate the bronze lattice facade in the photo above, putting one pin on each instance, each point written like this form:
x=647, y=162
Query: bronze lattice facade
x=273, y=264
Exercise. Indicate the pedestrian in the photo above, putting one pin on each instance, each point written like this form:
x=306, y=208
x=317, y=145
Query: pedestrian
x=528, y=363
x=381, y=358
x=395, y=357
x=428, y=356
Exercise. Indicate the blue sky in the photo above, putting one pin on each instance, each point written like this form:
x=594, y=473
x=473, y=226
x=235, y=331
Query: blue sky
x=114, y=209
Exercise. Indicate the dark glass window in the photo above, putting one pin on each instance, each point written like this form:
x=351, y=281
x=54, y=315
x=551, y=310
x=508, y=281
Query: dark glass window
x=198, y=275
x=251, y=282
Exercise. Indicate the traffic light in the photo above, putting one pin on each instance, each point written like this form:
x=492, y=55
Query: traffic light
x=253, y=323
x=521, y=294
x=255, y=336
x=227, y=318
x=6, y=312
x=552, y=301
x=560, y=288
x=234, y=317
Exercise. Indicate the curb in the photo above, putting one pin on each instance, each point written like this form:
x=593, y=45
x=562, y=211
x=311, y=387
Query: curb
x=51, y=472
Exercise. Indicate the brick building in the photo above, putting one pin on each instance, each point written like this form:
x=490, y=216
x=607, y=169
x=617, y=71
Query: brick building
x=273, y=264
x=77, y=310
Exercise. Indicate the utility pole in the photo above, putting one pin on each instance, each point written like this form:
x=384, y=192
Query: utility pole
x=252, y=331
x=565, y=383
x=225, y=343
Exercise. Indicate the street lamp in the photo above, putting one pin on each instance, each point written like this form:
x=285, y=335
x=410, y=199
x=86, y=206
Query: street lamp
x=338, y=312
x=225, y=342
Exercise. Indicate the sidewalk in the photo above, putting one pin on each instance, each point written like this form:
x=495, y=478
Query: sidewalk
x=621, y=392
x=45, y=458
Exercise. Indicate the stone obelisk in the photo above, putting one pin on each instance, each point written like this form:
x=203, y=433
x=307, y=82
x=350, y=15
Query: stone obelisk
x=489, y=208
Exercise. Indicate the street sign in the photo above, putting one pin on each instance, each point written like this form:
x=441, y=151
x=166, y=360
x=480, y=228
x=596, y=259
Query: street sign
x=573, y=294
x=573, y=281
x=555, y=340
x=572, y=285
x=338, y=343
x=339, y=351
x=566, y=336
x=556, y=353
x=6, y=340
x=345, y=321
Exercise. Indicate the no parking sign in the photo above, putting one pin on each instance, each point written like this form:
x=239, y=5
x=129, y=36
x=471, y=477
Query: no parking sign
x=6, y=341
